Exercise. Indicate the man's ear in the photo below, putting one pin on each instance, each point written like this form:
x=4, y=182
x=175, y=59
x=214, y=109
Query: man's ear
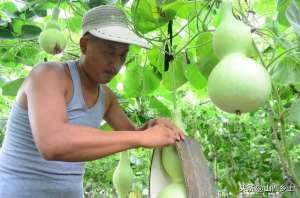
x=83, y=44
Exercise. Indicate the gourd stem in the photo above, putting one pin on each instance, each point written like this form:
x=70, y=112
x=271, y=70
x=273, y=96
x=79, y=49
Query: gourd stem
x=55, y=14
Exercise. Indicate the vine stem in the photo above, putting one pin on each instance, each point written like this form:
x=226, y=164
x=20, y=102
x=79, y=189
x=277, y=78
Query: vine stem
x=282, y=152
x=280, y=55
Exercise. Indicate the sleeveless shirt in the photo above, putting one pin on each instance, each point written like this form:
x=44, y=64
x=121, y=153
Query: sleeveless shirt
x=24, y=173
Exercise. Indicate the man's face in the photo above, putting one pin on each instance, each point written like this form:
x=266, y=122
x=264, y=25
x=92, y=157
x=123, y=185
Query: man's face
x=103, y=58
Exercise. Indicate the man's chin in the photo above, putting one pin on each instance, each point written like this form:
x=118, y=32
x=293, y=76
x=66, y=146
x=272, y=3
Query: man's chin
x=105, y=79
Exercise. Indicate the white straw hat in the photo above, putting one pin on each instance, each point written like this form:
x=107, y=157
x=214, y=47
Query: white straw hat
x=109, y=23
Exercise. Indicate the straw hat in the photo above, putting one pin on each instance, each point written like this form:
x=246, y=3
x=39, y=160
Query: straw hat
x=109, y=23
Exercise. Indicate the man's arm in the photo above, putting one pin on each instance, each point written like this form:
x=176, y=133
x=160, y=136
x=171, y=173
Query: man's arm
x=118, y=120
x=114, y=114
x=56, y=139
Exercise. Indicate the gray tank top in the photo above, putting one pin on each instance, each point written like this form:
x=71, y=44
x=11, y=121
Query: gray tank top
x=23, y=171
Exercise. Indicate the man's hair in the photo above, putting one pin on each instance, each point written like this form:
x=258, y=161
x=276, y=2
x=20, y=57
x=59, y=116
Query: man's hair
x=90, y=36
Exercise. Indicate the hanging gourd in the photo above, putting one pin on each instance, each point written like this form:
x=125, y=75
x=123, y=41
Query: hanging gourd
x=172, y=163
x=123, y=176
x=176, y=189
x=231, y=35
x=237, y=84
x=52, y=39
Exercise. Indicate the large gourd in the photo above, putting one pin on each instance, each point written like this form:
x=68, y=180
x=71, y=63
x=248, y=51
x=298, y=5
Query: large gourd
x=123, y=176
x=172, y=165
x=51, y=39
x=174, y=190
x=231, y=35
x=237, y=84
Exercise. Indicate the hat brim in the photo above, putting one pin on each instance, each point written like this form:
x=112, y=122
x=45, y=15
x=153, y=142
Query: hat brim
x=119, y=34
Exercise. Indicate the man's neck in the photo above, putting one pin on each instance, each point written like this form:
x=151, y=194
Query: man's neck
x=86, y=82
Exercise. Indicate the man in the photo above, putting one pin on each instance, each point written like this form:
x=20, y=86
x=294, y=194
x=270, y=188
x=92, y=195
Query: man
x=53, y=124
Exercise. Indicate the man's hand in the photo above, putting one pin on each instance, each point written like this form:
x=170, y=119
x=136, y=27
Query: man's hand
x=165, y=122
x=160, y=132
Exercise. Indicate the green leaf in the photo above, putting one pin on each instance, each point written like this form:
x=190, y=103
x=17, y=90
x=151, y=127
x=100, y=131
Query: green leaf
x=205, y=54
x=106, y=127
x=9, y=7
x=156, y=58
x=174, y=77
x=148, y=15
x=40, y=11
x=151, y=81
x=265, y=8
x=294, y=140
x=294, y=112
x=287, y=71
x=5, y=33
x=133, y=80
x=75, y=23
x=28, y=55
x=159, y=107
x=30, y=31
x=282, y=6
x=11, y=88
x=188, y=9
x=143, y=14
x=195, y=77
x=293, y=16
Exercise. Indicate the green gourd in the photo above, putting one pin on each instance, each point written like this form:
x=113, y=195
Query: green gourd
x=173, y=190
x=231, y=35
x=239, y=84
x=172, y=163
x=52, y=39
x=123, y=176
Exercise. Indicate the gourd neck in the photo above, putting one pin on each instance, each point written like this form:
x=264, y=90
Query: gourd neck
x=226, y=10
x=124, y=157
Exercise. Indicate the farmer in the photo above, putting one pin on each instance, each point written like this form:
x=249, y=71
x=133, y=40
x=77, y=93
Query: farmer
x=53, y=125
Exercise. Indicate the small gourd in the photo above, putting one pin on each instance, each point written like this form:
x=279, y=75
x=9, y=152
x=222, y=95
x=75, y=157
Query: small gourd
x=231, y=35
x=52, y=39
x=172, y=163
x=174, y=190
x=123, y=176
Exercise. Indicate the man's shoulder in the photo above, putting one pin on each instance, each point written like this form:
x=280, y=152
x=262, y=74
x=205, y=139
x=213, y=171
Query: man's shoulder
x=54, y=66
x=47, y=71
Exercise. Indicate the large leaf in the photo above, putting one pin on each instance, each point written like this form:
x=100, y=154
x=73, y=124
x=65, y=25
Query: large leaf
x=205, y=55
x=265, y=8
x=143, y=14
x=156, y=58
x=9, y=7
x=294, y=113
x=148, y=15
x=5, y=33
x=30, y=31
x=282, y=6
x=11, y=88
x=174, y=77
x=195, y=77
x=133, y=80
x=28, y=55
x=188, y=9
x=287, y=71
x=293, y=16
x=74, y=23
x=151, y=81
x=161, y=109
